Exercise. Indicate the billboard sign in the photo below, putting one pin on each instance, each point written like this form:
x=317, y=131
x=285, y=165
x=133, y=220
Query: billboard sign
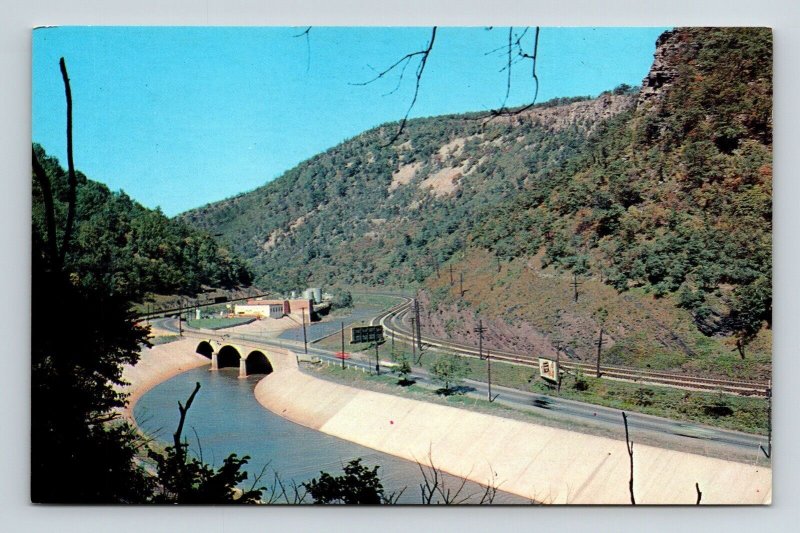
x=366, y=334
x=548, y=369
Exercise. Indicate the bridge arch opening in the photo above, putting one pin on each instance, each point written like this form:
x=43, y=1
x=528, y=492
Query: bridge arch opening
x=205, y=349
x=257, y=363
x=228, y=356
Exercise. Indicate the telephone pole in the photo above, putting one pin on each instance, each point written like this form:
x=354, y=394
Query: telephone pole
x=392, y=345
x=557, y=345
x=413, y=342
x=489, y=374
x=575, y=284
x=599, y=349
x=451, y=275
x=377, y=359
x=305, y=339
x=461, y=288
x=180, y=317
x=416, y=316
x=342, y=345
x=768, y=451
x=479, y=330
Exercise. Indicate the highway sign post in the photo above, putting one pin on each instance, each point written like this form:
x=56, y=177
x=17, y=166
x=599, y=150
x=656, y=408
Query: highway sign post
x=377, y=360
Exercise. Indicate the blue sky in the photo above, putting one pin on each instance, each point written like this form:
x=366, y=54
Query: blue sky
x=180, y=117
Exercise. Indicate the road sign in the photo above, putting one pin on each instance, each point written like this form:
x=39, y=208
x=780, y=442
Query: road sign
x=548, y=369
x=366, y=334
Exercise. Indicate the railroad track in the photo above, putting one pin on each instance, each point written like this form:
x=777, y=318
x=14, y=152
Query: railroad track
x=393, y=321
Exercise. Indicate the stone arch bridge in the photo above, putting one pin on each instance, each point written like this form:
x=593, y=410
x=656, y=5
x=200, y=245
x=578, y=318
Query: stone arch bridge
x=249, y=359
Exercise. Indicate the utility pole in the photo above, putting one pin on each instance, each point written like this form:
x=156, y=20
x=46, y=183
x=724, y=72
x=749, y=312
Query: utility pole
x=575, y=284
x=451, y=275
x=416, y=316
x=413, y=342
x=558, y=370
x=498, y=264
x=180, y=317
x=305, y=339
x=377, y=359
x=392, y=345
x=768, y=451
x=599, y=349
x=461, y=289
x=342, y=345
x=489, y=374
x=479, y=330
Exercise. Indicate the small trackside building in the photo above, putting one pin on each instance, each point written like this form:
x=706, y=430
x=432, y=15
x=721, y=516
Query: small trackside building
x=275, y=308
x=262, y=308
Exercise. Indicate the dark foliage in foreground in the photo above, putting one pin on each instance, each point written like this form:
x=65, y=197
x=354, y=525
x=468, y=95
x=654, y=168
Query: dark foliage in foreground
x=358, y=485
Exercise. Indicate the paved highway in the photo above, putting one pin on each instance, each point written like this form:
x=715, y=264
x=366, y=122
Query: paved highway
x=561, y=412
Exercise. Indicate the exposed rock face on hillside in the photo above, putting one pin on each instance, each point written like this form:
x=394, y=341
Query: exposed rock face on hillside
x=664, y=69
x=586, y=115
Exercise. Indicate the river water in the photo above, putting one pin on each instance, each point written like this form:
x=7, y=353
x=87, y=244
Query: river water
x=226, y=418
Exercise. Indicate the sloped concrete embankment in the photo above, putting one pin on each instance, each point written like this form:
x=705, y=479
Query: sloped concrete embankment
x=542, y=463
x=158, y=364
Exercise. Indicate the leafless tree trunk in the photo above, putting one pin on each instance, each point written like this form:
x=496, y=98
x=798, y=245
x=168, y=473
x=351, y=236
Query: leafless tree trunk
x=629, y=446
x=49, y=212
x=73, y=182
x=56, y=258
x=176, y=437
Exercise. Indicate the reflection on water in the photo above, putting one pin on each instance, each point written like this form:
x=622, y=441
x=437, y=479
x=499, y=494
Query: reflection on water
x=227, y=419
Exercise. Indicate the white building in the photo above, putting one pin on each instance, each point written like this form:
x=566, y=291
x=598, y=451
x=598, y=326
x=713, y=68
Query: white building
x=262, y=308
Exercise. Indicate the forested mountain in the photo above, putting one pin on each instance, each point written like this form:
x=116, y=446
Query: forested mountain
x=128, y=249
x=364, y=212
x=658, y=200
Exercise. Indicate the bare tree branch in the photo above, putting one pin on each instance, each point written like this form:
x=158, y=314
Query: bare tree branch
x=629, y=446
x=434, y=484
x=200, y=446
x=176, y=438
x=405, y=60
x=521, y=56
x=307, y=34
x=699, y=494
x=304, y=32
x=73, y=182
x=508, y=80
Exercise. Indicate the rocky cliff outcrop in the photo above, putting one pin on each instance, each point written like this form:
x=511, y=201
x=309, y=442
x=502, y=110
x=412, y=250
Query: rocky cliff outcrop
x=665, y=67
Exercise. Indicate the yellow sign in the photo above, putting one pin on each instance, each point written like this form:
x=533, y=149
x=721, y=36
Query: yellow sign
x=548, y=369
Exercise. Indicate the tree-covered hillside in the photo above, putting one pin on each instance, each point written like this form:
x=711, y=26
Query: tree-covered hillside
x=660, y=195
x=128, y=249
x=364, y=212
x=674, y=196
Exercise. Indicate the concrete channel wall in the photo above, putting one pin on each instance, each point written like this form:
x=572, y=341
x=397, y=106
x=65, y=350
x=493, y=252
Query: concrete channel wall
x=542, y=463
x=158, y=364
